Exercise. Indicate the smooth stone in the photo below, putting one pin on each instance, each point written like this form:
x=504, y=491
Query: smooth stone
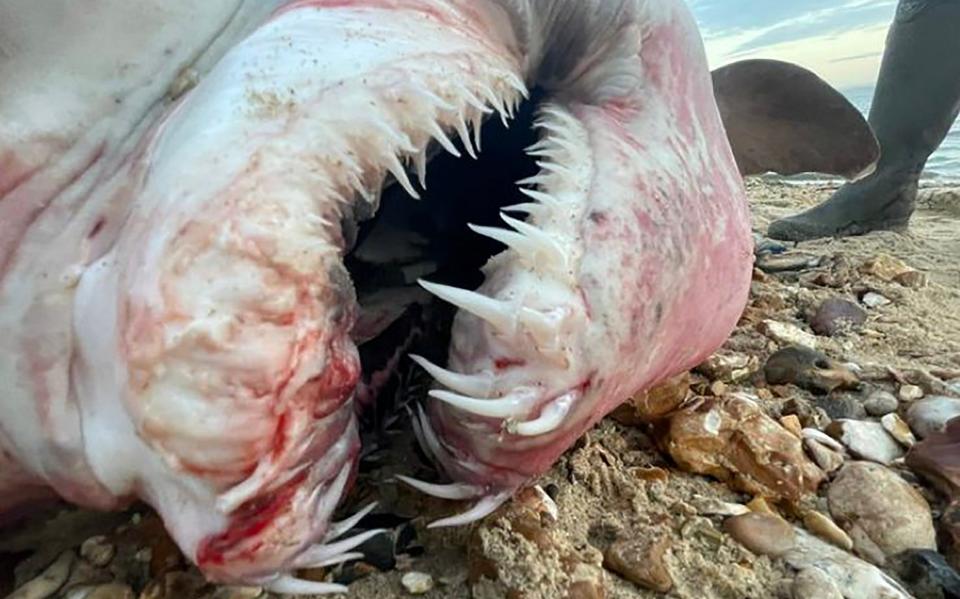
x=910, y=392
x=237, y=593
x=641, y=561
x=787, y=334
x=867, y=440
x=417, y=583
x=836, y=315
x=891, y=512
x=808, y=368
x=855, y=578
x=927, y=572
x=814, y=583
x=762, y=534
x=880, y=403
x=49, y=581
x=931, y=414
x=885, y=267
x=898, y=429
x=874, y=300
x=828, y=459
x=827, y=529
x=841, y=407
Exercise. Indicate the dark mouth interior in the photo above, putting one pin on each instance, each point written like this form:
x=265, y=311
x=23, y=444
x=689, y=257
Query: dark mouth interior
x=434, y=243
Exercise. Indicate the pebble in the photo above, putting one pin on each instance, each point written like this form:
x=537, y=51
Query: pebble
x=828, y=460
x=237, y=593
x=841, y=407
x=836, y=315
x=762, y=534
x=874, y=300
x=910, y=392
x=97, y=551
x=827, y=529
x=113, y=590
x=728, y=367
x=807, y=368
x=711, y=506
x=898, y=429
x=911, y=278
x=931, y=414
x=935, y=458
x=641, y=561
x=787, y=334
x=814, y=583
x=792, y=423
x=885, y=267
x=927, y=573
x=49, y=582
x=867, y=440
x=787, y=262
x=880, y=403
x=417, y=583
x=884, y=506
x=853, y=577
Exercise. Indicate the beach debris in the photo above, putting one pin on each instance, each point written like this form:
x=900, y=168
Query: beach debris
x=827, y=529
x=937, y=459
x=898, y=429
x=874, y=300
x=910, y=392
x=733, y=440
x=836, y=315
x=654, y=404
x=711, y=506
x=792, y=423
x=814, y=583
x=417, y=583
x=763, y=534
x=931, y=414
x=853, y=577
x=49, y=581
x=787, y=334
x=880, y=403
x=866, y=439
x=809, y=369
x=883, y=506
x=641, y=560
x=112, y=590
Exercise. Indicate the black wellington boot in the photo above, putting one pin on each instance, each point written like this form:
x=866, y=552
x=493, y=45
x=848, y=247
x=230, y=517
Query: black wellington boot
x=916, y=101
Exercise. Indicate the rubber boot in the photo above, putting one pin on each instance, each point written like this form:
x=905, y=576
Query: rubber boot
x=915, y=103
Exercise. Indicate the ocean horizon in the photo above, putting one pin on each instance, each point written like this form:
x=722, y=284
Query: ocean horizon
x=944, y=164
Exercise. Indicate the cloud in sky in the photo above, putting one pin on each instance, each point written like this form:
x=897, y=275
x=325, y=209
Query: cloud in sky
x=841, y=40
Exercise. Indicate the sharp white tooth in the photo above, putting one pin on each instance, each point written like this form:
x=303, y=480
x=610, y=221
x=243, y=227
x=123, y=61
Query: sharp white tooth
x=339, y=559
x=543, y=198
x=493, y=311
x=464, y=133
x=553, y=167
x=545, y=243
x=438, y=101
x=476, y=102
x=480, y=510
x=550, y=417
x=477, y=130
x=540, y=145
x=518, y=84
x=323, y=552
x=514, y=405
x=400, y=174
x=476, y=385
x=511, y=239
x=538, y=179
x=494, y=100
x=445, y=141
x=420, y=163
x=455, y=491
x=525, y=208
x=290, y=585
x=338, y=528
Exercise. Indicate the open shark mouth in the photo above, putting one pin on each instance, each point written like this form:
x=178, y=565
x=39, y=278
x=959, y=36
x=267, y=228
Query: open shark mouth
x=189, y=279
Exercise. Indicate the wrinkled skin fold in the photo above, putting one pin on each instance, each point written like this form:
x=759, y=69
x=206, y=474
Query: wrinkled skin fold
x=176, y=320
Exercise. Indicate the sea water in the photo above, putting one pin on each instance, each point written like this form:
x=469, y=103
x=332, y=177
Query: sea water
x=944, y=165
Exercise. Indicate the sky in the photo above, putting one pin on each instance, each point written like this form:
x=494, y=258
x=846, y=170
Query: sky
x=840, y=40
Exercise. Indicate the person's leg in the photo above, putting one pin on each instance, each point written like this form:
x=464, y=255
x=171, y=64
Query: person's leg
x=916, y=101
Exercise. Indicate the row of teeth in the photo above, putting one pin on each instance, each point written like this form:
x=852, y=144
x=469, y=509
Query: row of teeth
x=542, y=252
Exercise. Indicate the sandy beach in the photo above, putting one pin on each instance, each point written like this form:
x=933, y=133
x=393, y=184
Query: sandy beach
x=631, y=520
